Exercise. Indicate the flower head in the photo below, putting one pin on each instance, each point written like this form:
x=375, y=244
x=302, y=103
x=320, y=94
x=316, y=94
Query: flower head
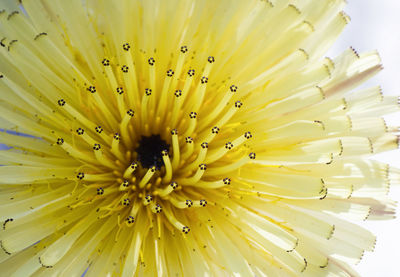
x=184, y=137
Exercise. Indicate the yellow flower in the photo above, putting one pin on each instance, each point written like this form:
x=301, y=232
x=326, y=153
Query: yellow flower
x=187, y=138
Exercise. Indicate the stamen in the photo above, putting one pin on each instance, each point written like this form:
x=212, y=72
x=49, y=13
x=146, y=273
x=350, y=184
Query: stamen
x=231, y=167
x=115, y=147
x=192, y=124
x=168, y=167
x=175, y=149
x=124, y=127
x=128, y=172
x=124, y=185
x=172, y=219
x=195, y=178
x=146, y=178
x=102, y=158
x=200, y=157
x=144, y=112
x=167, y=190
x=218, y=109
x=188, y=151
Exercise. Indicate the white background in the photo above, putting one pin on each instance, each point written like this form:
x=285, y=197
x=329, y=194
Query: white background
x=375, y=24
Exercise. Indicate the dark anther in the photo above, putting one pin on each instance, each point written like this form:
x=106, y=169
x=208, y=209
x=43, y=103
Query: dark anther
x=189, y=139
x=116, y=136
x=191, y=72
x=170, y=72
x=147, y=91
x=174, y=132
x=238, y=104
x=178, y=93
x=126, y=46
x=215, y=130
x=204, y=145
x=248, y=135
x=100, y=191
x=130, y=112
x=151, y=61
x=92, y=89
x=174, y=185
x=80, y=175
x=233, y=88
x=227, y=181
x=211, y=59
x=204, y=80
x=184, y=49
x=193, y=115
x=61, y=102
x=105, y=62
x=99, y=129
x=252, y=155
x=80, y=131
x=120, y=90
x=60, y=141
x=96, y=146
x=130, y=219
x=124, y=68
x=203, y=202
x=229, y=145
x=202, y=166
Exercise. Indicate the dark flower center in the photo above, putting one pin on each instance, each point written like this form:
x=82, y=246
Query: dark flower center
x=149, y=151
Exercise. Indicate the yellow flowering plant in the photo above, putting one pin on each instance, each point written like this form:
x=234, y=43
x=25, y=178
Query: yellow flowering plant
x=187, y=138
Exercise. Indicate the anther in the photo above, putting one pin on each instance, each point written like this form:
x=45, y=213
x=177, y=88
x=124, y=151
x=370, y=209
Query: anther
x=60, y=141
x=80, y=175
x=193, y=115
x=238, y=104
x=252, y=155
x=178, y=93
x=191, y=72
x=189, y=203
x=124, y=68
x=215, y=130
x=158, y=208
x=105, y=62
x=120, y=90
x=148, y=198
x=164, y=153
x=233, y=88
x=80, y=131
x=134, y=165
x=174, y=132
x=203, y=202
x=211, y=59
x=116, y=136
x=151, y=61
x=147, y=91
x=130, y=219
x=185, y=229
x=202, y=166
x=126, y=202
x=174, y=185
x=204, y=80
x=248, y=135
x=61, y=102
x=92, y=89
x=96, y=146
x=130, y=112
x=204, y=145
x=226, y=181
x=100, y=191
x=125, y=183
x=170, y=73
x=184, y=49
x=126, y=46
x=98, y=129
x=229, y=145
x=189, y=139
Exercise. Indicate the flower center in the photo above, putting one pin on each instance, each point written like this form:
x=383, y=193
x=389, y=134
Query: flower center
x=149, y=151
